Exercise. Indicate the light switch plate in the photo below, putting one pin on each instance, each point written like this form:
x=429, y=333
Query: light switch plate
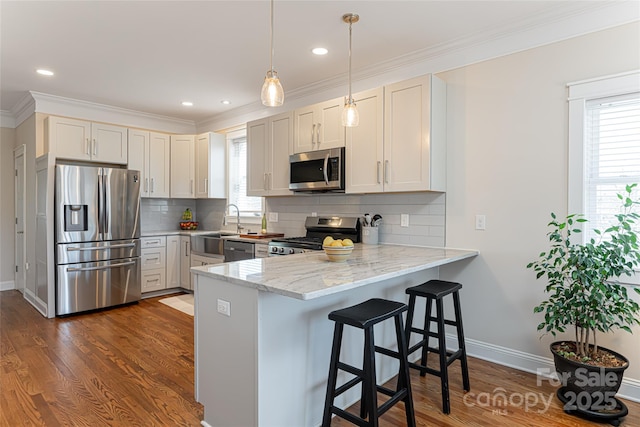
x=404, y=220
x=273, y=216
x=481, y=222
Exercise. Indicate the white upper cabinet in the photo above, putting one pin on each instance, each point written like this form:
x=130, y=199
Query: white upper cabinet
x=149, y=153
x=269, y=143
x=412, y=154
x=182, y=167
x=319, y=126
x=210, y=163
x=415, y=135
x=81, y=140
x=364, y=153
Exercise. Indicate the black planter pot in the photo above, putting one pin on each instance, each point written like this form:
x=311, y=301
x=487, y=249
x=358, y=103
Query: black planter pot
x=586, y=388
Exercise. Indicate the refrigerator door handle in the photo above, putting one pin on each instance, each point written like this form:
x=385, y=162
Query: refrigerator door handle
x=106, y=192
x=101, y=248
x=100, y=205
x=106, y=267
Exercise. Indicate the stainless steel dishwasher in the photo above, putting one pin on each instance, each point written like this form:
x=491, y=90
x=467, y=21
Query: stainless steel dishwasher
x=236, y=251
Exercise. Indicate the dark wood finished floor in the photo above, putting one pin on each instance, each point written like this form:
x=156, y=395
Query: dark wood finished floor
x=133, y=366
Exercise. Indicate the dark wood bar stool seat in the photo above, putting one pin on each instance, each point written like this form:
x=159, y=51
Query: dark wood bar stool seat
x=435, y=291
x=364, y=316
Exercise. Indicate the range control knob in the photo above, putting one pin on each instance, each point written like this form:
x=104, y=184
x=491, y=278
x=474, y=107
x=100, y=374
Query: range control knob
x=274, y=250
x=281, y=250
x=292, y=251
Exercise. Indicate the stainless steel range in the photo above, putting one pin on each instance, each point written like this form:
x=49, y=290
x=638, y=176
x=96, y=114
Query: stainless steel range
x=318, y=227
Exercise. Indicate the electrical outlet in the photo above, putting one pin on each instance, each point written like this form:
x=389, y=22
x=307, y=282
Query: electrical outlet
x=273, y=216
x=481, y=222
x=314, y=214
x=404, y=220
x=224, y=307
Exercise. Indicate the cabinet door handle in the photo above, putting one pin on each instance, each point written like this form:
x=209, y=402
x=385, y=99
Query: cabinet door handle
x=313, y=133
x=146, y=185
x=318, y=133
x=206, y=185
x=186, y=248
x=88, y=147
x=386, y=171
x=191, y=186
x=269, y=182
x=264, y=181
x=95, y=147
x=153, y=185
x=378, y=171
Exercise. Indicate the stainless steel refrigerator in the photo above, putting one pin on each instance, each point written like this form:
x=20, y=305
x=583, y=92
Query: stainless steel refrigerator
x=97, y=237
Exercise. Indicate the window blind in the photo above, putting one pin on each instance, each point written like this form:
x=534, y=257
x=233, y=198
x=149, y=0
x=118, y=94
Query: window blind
x=612, y=156
x=238, y=179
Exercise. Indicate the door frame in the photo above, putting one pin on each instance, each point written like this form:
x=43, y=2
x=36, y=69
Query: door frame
x=19, y=212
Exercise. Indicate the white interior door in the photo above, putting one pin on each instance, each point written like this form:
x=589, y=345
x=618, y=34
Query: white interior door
x=19, y=199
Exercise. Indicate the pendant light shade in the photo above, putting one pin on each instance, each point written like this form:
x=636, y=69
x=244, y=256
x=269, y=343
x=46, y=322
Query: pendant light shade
x=272, y=94
x=350, y=116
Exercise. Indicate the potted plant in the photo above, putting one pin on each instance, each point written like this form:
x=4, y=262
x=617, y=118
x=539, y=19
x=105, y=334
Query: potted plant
x=585, y=295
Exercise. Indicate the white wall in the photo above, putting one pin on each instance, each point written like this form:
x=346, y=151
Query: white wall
x=507, y=136
x=7, y=143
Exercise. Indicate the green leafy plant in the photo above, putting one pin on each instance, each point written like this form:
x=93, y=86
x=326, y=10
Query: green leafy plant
x=583, y=287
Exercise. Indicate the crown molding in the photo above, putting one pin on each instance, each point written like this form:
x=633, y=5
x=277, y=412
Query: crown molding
x=58, y=105
x=24, y=109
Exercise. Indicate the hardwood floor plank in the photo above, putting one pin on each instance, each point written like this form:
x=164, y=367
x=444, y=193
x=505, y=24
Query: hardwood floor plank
x=133, y=366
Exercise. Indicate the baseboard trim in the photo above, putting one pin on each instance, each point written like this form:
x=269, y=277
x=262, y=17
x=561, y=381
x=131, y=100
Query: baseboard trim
x=7, y=286
x=542, y=366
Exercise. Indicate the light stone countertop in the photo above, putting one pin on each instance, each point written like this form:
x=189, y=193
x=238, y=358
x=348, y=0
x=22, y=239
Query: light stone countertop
x=311, y=275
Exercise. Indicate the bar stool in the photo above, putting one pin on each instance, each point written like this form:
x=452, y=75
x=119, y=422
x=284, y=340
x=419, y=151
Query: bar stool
x=436, y=290
x=364, y=316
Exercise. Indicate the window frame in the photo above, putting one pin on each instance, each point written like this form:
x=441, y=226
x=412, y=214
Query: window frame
x=580, y=93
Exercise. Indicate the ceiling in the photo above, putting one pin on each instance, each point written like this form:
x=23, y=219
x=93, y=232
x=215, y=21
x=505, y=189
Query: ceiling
x=150, y=56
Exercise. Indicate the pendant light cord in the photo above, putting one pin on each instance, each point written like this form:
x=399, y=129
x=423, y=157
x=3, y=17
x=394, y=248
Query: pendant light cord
x=350, y=23
x=271, y=36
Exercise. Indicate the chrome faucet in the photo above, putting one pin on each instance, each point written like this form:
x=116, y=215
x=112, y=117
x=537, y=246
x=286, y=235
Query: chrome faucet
x=238, y=226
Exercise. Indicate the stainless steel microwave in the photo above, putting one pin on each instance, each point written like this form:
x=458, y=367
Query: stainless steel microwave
x=320, y=170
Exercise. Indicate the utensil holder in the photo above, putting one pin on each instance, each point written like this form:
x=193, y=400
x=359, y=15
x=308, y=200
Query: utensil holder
x=370, y=235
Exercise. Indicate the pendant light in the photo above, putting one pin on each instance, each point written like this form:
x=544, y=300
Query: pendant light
x=350, y=117
x=272, y=94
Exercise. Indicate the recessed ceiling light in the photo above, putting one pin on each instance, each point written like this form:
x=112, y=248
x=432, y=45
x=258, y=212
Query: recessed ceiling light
x=187, y=103
x=44, y=72
x=225, y=102
x=319, y=51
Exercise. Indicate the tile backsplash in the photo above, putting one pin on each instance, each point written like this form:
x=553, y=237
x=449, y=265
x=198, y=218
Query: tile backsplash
x=164, y=214
x=426, y=214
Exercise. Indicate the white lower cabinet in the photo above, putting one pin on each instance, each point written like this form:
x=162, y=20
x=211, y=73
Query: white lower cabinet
x=185, y=262
x=153, y=263
x=173, y=262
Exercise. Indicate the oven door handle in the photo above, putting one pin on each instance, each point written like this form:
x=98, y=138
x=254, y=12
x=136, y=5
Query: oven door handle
x=122, y=264
x=324, y=169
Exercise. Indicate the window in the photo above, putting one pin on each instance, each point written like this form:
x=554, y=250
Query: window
x=604, y=147
x=250, y=207
x=612, y=155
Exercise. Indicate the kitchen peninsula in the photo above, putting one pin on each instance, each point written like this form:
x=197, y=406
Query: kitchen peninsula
x=263, y=339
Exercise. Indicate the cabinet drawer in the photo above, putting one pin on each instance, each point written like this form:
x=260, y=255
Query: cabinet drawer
x=153, y=242
x=153, y=280
x=153, y=258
